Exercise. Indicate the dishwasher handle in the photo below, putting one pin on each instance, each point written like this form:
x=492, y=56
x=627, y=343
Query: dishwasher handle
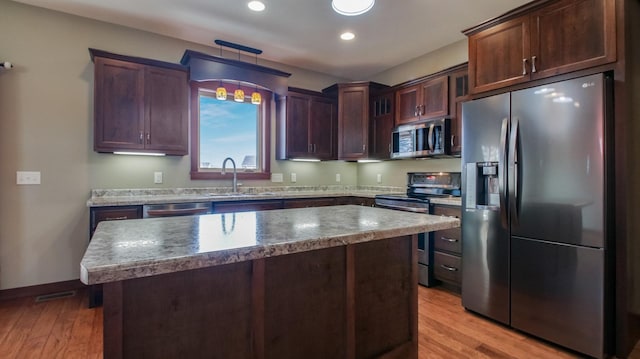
x=176, y=212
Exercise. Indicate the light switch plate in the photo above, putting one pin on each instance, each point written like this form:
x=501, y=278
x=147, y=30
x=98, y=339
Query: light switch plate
x=379, y=178
x=157, y=177
x=294, y=177
x=28, y=177
x=276, y=177
x=338, y=179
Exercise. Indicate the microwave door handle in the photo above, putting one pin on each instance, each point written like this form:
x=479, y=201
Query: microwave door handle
x=430, y=137
x=502, y=175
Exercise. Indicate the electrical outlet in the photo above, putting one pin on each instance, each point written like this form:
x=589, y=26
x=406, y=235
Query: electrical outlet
x=28, y=177
x=157, y=177
x=276, y=177
x=294, y=177
x=338, y=179
x=379, y=178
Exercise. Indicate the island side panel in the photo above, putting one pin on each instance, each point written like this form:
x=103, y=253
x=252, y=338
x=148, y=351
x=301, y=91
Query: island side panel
x=203, y=313
x=386, y=298
x=305, y=305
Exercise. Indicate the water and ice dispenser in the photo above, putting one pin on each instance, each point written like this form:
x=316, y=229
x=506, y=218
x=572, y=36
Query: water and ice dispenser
x=483, y=190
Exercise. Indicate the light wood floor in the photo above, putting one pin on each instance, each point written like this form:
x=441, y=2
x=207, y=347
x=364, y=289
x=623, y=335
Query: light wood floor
x=66, y=328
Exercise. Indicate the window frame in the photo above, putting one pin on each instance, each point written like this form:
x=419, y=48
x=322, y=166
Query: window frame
x=264, y=123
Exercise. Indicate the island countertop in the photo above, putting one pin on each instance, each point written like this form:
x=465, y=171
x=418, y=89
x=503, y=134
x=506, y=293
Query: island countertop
x=121, y=250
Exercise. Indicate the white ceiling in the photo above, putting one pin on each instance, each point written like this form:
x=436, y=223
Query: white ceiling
x=302, y=33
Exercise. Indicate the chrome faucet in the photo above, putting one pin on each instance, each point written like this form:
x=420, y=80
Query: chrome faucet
x=235, y=176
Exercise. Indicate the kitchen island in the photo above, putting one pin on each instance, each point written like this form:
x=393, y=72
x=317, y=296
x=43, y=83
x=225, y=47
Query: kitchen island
x=326, y=282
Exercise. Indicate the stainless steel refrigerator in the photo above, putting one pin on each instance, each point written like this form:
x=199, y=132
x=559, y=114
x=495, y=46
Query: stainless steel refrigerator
x=535, y=217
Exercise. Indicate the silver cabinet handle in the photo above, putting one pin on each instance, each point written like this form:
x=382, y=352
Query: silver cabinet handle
x=450, y=269
x=364, y=147
x=533, y=64
x=450, y=240
x=524, y=66
x=141, y=137
x=416, y=111
x=452, y=140
x=148, y=137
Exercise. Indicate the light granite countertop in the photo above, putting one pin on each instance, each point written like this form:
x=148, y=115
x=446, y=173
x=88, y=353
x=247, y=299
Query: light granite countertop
x=124, y=197
x=121, y=250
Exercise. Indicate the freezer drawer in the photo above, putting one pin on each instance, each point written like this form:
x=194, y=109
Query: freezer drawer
x=557, y=293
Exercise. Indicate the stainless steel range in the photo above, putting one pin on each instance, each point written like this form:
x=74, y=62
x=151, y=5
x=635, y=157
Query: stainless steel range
x=421, y=186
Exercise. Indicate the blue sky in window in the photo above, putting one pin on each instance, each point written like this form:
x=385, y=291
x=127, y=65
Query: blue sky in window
x=227, y=129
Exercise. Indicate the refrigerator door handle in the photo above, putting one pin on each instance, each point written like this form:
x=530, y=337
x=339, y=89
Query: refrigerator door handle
x=502, y=158
x=513, y=171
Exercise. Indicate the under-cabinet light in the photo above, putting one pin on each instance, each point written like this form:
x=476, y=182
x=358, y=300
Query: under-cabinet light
x=305, y=160
x=139, y=153
x=368, y=161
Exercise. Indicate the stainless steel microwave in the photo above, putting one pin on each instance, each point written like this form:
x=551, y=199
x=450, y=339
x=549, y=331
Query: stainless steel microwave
x=424, y=139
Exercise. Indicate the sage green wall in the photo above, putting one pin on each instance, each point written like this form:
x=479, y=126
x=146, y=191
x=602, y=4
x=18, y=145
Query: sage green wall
x=46, y=124
x=393, y=173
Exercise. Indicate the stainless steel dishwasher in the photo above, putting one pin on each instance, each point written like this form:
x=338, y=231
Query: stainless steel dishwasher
x=175, y=209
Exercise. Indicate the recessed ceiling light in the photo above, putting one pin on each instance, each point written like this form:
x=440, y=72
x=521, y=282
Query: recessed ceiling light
x=352, y=7
x=256, y=5
x=347, y=36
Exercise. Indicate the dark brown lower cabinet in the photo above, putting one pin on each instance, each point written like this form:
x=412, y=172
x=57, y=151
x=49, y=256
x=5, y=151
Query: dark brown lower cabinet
x=447, y=250
x=111, y=213
x=353, y=301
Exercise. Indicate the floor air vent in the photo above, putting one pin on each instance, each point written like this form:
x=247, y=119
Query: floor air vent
x=52, y=296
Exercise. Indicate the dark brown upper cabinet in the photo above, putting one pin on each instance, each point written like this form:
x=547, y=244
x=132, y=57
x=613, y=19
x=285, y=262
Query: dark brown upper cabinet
x=306, y=126
x=353, y=118
x=424, y=100
x=539, y=40
x=140, y=105
x=382, y=122
x=458, y=93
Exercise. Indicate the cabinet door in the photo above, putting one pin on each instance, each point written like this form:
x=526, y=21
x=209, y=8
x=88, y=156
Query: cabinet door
x=297, y=126
x=323, y=127
x=381, y=125
x=119, y=105
x=458, y=93
x=166, y=106
x=407, y=105
x=572, y=35
x=434, y=100
x=353, y=120
x=499, y=56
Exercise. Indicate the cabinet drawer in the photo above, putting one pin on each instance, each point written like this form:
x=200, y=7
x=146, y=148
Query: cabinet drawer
x=113, y=214
x=447, y=267
x=446, y=211
x=448, y=240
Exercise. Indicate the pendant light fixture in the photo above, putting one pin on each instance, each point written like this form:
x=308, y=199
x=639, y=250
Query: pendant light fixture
x=221, y=92
x=238, y=94
x=256, y=98
x=352, y=7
